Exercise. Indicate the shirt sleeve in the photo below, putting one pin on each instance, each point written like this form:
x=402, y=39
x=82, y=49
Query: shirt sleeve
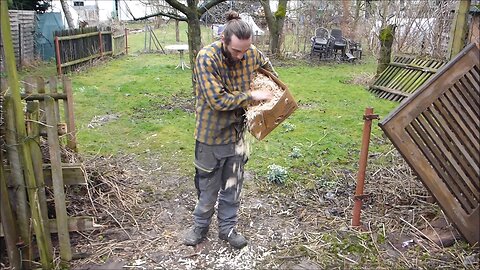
x=266, y=64
x=210, y=86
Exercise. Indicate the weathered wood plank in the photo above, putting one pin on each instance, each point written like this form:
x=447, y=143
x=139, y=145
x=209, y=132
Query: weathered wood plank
x=8, y=222
x=389, y=90
x=18, y=179
x=33, y=132
x=52, y=85
x=69, y=114
x=72, y=175
x=58, y=184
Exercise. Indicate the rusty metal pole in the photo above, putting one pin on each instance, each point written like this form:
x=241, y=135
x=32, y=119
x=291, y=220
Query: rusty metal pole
x=367, y=128
x=100, y=43
x=57, y=52
x=126, y=41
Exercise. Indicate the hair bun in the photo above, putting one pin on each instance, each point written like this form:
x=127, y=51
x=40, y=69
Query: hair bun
x=232, y=15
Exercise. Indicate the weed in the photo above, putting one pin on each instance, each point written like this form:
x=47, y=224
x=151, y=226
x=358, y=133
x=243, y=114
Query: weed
x=287, y=127
x=277, y=174
x=296, y=153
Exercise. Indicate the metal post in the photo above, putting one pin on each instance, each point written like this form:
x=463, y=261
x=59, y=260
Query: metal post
x=57, y=51
x=126, y=41
x=359, y=196
x=101, y=43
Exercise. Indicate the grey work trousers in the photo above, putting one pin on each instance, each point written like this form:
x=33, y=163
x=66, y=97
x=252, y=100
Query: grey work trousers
x=218, y=174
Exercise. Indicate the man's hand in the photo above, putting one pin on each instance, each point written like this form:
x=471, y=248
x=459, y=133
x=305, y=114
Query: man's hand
x=259, y=95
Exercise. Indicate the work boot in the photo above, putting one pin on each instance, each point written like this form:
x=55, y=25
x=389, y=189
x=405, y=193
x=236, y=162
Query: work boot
x=195, y=235
x=235, y=239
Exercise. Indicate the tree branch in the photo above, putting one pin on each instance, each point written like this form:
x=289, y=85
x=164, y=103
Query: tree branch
x=179, y=6
x=170, y=15
x=268, y=12
x=208, y=5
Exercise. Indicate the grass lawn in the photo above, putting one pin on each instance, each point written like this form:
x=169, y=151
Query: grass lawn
x=148, y=104
x=151, y=102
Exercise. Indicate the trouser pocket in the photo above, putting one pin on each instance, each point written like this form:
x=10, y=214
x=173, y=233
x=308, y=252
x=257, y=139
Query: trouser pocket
x=206, y=165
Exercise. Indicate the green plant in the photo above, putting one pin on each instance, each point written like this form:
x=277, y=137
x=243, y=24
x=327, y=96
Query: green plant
x=287, y=127
x=277, y=174
x=296, y=153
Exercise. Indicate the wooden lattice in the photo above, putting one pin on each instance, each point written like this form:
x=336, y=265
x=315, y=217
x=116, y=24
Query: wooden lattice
x=437, y=132
x=403, y=76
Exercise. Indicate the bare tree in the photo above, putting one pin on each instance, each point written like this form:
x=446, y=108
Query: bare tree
x=275, y=23
x=345, y=24
x=67, y=13
x=190, y=13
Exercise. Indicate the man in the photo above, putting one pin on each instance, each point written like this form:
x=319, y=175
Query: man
x=223, y=73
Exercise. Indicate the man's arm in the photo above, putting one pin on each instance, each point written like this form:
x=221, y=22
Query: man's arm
x=265, y=63
x=211, y=87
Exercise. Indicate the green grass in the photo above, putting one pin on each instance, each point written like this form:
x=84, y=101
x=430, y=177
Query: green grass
x=327, y=128
x=139, y=90
x=152, y=102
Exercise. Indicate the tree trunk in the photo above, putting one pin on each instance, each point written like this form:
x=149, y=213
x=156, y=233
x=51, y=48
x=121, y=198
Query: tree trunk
x=275, y=23
x=274, y=45
x=177, y=31
x=386, y=37
x=346, y=18
x=356, y=18
x=194, y=36
x=67, y=13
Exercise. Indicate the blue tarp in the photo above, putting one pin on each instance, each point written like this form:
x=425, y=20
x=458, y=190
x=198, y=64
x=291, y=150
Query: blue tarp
x=47, y=24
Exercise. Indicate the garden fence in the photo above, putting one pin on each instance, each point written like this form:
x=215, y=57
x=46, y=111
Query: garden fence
x=77, y=47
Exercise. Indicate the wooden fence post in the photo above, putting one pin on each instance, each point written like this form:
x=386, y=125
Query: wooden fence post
x=33, y=132
x=8, y=222
x=101, y=43
x=69, y=114
x=57, y=52
x=57, y=179
x=52, y=84
x=25, y=153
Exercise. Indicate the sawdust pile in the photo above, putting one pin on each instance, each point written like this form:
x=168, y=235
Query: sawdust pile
x=262, y=82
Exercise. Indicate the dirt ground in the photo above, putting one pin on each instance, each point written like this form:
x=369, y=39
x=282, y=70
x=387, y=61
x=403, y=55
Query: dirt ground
x=150, y=236
x=143, y=208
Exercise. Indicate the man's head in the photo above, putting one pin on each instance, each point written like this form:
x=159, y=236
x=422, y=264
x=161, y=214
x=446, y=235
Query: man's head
x=236, y=37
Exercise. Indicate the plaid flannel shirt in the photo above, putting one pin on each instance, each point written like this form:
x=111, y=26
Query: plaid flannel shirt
x=222, y=92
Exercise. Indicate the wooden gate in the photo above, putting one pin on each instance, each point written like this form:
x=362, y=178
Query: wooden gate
x=437, y=132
